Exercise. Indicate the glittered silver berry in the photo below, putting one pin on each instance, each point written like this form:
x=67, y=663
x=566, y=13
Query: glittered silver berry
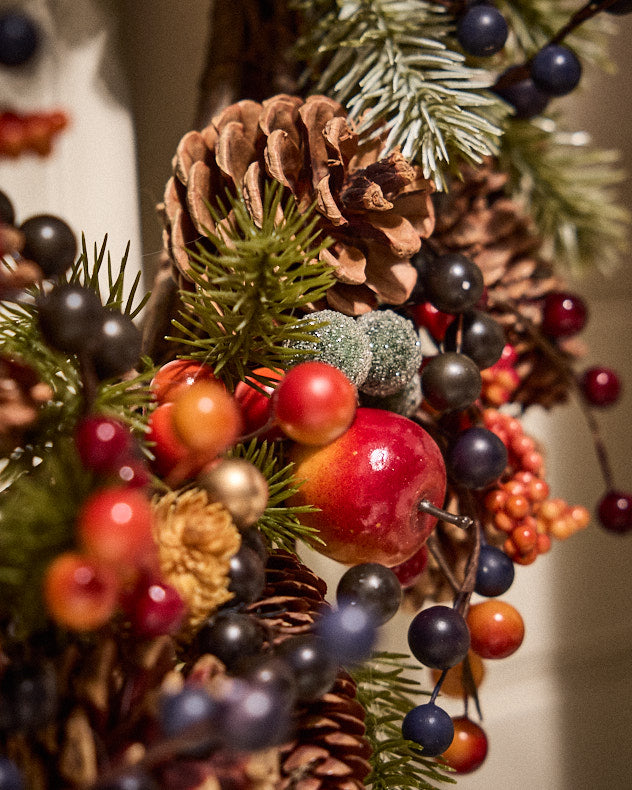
x=396, y=351
x=338, y=341
x=405, y=401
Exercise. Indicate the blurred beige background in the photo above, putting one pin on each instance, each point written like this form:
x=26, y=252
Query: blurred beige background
x=559, y=712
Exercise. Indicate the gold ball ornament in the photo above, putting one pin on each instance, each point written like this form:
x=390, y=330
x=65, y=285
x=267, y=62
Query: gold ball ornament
x=240, y=487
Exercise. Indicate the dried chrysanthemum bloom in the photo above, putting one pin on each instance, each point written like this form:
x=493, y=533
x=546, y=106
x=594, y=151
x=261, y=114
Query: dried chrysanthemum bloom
x=375, y=210
x=196, y=539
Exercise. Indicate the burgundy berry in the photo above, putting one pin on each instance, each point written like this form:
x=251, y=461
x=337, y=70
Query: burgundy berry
x=157, y=609
x=615, y=512
x=600, y=386
x=102, y=442
x=564, y=314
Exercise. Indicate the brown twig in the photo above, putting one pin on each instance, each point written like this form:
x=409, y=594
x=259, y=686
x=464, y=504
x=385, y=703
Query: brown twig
x=247, y=54
x=586, y=12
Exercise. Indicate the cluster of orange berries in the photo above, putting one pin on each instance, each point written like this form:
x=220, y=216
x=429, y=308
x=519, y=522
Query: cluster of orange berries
x=500, y=381
x=520, y=506
x=30, y=132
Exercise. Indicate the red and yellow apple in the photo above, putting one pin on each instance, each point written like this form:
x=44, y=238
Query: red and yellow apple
x=367, y=485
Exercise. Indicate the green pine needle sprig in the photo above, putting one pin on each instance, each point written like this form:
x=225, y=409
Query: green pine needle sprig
x=20, y=338
x=570, y=189
x=387, y=693
x=389, y=63
x=280, y=523
x=249, y=291
x=37, y=522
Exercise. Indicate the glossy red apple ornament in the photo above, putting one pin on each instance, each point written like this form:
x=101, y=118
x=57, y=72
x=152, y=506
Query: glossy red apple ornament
x=367, y=485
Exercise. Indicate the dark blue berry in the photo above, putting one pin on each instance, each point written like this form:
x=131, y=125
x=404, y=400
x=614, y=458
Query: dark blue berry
x=19, y=38
x=7, y=213
x=184, y=710
x=372, y=586
x=232, y=637
x=450, y=381
x=128, y=779
x=482, y=30
x=10, y=777
x=115, y=344
x=438, y=637
x=453, y=283
x=247, y=575
x=67, y=316
x=477, y=458
x=254, y=716
x=523, y=95
x=495, y=572
x=481, y=338
x=313, y=667
x=556, y=70
x=50, y=242
x=430, y=727
x=348, y=633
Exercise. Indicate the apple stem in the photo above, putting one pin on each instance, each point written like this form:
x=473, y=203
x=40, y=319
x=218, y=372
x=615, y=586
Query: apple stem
x=464, y=522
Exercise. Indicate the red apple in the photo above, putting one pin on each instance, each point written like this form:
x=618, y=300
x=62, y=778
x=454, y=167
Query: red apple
x=367, y=484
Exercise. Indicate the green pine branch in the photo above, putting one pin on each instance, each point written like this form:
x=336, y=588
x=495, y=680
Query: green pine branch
x=280, y=522
x=389, y=63
x=250, y=290
x=570, y=189
x=387, y=693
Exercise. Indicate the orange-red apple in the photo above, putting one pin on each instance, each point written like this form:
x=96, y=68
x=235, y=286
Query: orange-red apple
x=367, y=485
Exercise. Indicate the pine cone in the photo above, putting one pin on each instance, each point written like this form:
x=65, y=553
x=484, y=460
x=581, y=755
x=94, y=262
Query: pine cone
x=477, y=218
x=330, y=751
x=21, y=395
x=376, y=210
x=292, y=598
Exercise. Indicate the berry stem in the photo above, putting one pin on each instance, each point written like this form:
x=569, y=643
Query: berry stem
x=568, y=374
x=444, y=567
x=437, y=688
x=463, y=522
x=586, y=12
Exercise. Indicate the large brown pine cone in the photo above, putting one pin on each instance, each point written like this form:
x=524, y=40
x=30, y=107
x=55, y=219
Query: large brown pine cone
x=478, y=219
x=376, y=210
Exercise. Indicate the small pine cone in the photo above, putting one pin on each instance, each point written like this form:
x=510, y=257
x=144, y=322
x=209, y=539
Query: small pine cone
x=330, y=751
x=196, y=539
x=375, y=210
x=292, y=597
x=477, y=219
x=21, y=396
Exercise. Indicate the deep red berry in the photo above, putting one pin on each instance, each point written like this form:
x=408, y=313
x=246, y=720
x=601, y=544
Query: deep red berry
x=256, y=408
x=114, y=525
x=410, y=571
x=427, y=316
x=157, y=609
x=315, y=403
x=468, y=749
x=615, y=512
x=600, y=386
x=564, y=314
x=102, y=442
